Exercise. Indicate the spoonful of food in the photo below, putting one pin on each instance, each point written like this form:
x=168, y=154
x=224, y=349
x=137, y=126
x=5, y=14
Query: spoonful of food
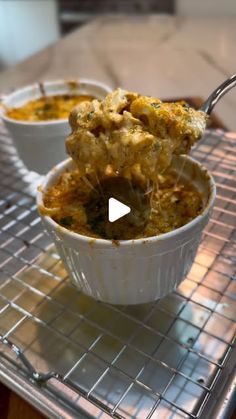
x=217, y=94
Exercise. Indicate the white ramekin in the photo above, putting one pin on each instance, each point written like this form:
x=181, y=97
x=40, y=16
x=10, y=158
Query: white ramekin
x=41, y=144
x=135, y=271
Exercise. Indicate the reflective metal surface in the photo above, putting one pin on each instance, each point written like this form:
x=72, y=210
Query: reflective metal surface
x=173, y=358
x=218, y=93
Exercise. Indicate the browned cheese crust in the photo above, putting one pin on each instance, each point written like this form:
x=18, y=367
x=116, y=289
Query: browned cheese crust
x=131, y=135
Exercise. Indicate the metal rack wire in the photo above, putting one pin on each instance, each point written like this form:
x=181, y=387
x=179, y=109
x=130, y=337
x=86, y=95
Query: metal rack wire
x=70, y=355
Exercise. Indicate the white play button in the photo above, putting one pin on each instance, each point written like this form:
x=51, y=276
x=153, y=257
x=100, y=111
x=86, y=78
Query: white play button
x=116, y=210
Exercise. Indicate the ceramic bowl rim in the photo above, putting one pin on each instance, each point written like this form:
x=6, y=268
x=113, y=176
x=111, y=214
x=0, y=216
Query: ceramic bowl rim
x=60, y=82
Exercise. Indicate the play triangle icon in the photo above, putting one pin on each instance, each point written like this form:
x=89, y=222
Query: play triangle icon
x=116, y=209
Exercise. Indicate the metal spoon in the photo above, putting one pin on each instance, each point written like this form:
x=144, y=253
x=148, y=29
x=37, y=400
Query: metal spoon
x=218, y=93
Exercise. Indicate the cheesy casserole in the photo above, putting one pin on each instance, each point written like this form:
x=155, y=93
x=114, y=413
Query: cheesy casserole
x=47, y=108
x=132, y=137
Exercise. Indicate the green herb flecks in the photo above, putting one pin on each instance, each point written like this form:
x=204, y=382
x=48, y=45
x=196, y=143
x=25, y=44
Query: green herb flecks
x=66, y=221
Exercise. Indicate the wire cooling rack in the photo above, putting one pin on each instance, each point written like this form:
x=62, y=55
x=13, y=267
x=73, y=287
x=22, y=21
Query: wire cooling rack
x=71, y=356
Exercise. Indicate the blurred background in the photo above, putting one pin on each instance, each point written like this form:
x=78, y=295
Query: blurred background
x=27, y=26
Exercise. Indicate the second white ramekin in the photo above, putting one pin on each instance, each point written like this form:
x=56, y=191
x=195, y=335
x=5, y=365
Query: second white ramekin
x=41, y=145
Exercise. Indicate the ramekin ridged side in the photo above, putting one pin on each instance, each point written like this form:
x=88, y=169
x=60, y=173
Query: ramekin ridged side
x=133, y=271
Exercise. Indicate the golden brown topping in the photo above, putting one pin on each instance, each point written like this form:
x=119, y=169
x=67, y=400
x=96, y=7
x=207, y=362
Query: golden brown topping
x=123, y=147
x=73, y=205
x=131, y=135
x=47, y=108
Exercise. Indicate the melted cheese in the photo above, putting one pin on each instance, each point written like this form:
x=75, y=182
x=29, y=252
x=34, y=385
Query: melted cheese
x=131, y=135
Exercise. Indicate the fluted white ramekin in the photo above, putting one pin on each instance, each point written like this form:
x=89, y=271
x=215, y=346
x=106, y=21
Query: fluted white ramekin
x=135, y=271
x=41, y=144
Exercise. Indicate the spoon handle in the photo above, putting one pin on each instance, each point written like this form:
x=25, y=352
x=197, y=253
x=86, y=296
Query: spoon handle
x=218, y=93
